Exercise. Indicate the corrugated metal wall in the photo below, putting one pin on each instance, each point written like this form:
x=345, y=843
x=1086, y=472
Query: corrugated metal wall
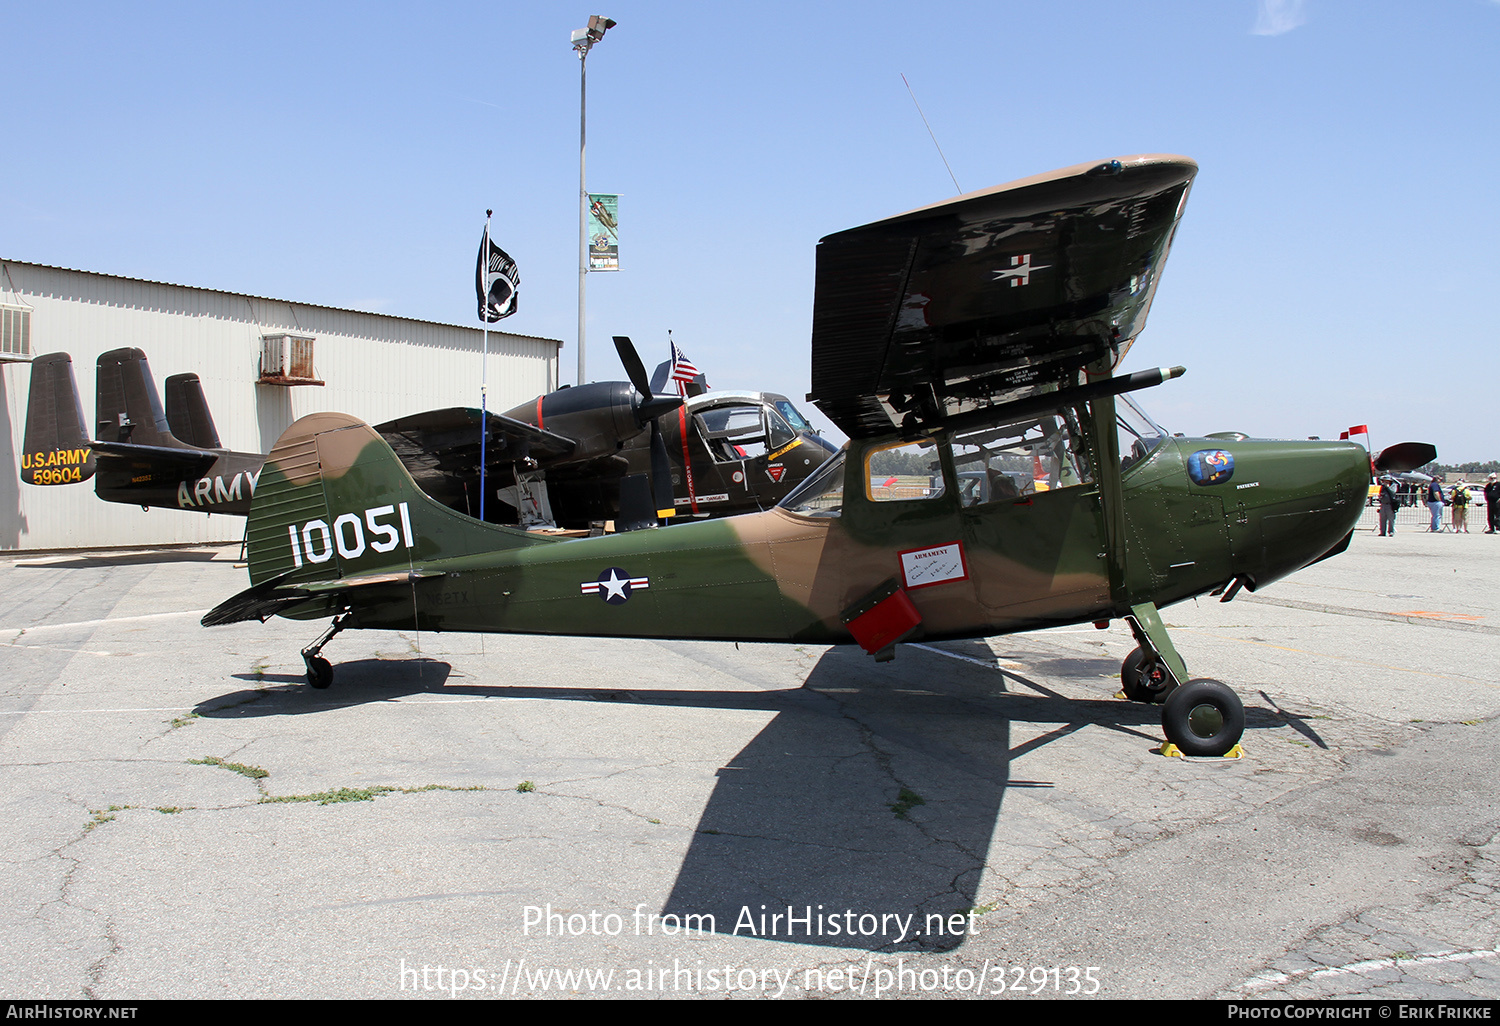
x=375, y=367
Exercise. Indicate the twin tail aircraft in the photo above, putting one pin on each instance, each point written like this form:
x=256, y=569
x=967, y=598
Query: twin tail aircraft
x=1046, y=497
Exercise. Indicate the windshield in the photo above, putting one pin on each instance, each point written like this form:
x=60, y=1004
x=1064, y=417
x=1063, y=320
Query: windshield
x=787, y=410
x=822, y=494
x=1139, y=434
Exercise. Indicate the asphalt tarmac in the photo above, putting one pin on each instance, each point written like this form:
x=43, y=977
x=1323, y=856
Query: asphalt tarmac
x=532, y=816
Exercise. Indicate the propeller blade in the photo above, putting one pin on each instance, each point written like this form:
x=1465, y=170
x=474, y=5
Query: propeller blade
x=661, y=473
x=634, y=368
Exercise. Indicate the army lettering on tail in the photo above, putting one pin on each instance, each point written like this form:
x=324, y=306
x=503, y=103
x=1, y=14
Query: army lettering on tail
x=212, y=491
x=55, y=448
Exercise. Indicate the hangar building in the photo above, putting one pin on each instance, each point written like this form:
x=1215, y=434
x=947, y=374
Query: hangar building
x=257, y=359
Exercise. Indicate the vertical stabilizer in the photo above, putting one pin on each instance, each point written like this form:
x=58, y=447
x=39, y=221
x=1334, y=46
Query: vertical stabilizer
x=335, y=502
x=57, y=439
x=187, y=412
x=127, y=406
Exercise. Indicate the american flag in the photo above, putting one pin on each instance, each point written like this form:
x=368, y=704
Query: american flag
x=683, y=371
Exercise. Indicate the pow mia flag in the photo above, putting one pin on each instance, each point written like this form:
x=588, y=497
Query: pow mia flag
x=496, y=280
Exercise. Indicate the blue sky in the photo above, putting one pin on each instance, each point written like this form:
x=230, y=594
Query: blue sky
x=1333, y=266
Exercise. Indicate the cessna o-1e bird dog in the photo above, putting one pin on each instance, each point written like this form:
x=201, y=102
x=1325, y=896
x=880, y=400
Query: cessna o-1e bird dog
x=606, y=450
x=979, y=336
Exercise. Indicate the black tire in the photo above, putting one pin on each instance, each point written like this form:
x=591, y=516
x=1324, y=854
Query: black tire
x=1203, y=717
x=1142, y=682
x=319, y=672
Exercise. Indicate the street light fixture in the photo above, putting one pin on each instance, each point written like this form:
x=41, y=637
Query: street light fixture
x=583, y=41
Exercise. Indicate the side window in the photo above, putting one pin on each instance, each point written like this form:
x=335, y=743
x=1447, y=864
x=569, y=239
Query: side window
x=902, y=472
x=1013, y=461
x=780, y=433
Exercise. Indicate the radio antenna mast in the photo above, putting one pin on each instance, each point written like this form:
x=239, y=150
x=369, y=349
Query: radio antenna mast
x=930, y=132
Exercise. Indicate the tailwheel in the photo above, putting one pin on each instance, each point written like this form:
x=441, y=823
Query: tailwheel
x=1144, y=680
x=1203, y=717
x=319, y=672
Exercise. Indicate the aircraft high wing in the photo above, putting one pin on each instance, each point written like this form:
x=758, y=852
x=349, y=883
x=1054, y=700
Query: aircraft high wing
x=973, y=340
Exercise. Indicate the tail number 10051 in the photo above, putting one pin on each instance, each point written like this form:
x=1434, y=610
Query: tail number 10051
x=317, y=541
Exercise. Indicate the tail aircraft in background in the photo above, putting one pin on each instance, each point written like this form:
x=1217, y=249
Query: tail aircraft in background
x=141, y=453
x=598, y=452
x=1046, y=497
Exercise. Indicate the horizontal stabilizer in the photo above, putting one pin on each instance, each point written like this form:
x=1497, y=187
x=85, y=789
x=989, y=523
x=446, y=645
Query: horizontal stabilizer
x=264, y=600
x=188, y=462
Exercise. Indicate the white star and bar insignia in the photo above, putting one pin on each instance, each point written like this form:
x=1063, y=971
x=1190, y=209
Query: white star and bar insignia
x=1019, y=271
x=615, y=585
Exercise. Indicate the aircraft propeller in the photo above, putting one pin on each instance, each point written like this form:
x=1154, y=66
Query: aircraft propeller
x=650, y=410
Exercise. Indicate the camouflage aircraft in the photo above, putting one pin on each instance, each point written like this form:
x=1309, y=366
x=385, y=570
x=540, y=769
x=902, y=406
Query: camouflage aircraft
x=977, y=336
x=563, y=458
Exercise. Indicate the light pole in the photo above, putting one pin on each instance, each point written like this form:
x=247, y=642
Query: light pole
x=583, y=41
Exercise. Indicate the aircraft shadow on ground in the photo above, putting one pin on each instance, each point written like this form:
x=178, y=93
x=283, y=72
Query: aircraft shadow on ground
x=866, y=797
x=122, y=559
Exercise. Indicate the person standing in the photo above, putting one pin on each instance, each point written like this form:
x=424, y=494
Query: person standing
x=1492, y=503
x=1390, y=501
x=1434, y=497
x=1460, y=500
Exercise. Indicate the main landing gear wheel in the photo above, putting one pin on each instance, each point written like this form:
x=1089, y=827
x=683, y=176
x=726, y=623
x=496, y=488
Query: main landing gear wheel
x=1144, y=681
x=319, y=672
x=1203, y=717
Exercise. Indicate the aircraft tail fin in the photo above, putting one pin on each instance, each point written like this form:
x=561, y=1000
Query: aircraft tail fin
x=127, y=407
x=187, y=412
x=57, y=439
x=334, y=502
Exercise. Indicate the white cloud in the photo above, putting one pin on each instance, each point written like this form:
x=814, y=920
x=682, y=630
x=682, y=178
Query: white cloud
x=1277, y=16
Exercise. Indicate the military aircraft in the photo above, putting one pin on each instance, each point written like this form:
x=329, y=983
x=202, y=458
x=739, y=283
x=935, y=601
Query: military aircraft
x=562, y=458
x=926, y=344
x=142, y=454
x=617, y=450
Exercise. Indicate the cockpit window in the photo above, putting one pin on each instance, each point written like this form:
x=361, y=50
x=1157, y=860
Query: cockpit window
x=821, y=494
x=734, y=432
x=795, y=419
x=1139, y=434
x=777, y=430
x=909, y=470
x=1013, y=461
